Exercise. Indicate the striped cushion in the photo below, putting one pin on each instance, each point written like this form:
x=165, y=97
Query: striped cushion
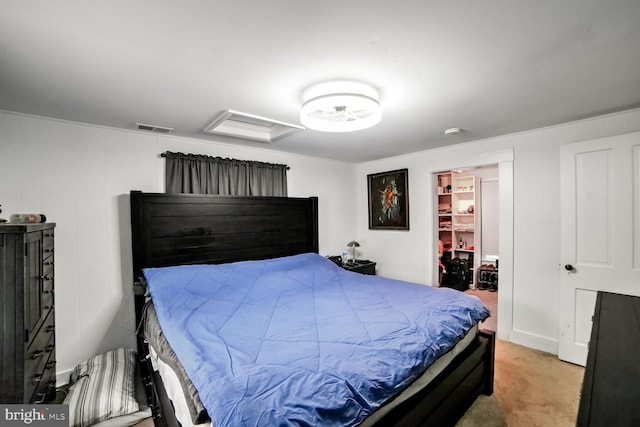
x=102, y=388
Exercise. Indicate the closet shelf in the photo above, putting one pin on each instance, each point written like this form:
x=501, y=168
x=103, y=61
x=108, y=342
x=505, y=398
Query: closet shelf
x=460, y=228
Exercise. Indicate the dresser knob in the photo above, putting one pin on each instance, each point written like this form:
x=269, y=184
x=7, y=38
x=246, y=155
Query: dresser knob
x=40, y=397
x=37, y=378
x=50, y=328
x=51, y=364
x=36, y=354
x=49, y=348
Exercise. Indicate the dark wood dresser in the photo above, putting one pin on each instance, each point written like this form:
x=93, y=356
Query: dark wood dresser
x=611, y=387
x=27, y=336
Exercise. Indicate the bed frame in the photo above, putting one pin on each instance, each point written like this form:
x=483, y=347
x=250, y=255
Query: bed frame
x=174, y=229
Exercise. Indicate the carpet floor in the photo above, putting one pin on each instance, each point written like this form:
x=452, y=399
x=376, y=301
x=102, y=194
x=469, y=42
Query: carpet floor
x=490, y=299
x=531, y=388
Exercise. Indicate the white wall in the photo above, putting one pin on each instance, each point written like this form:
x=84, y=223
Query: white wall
x=490, y=210
x=490, y=218
x=534, y=297
x=80, y=177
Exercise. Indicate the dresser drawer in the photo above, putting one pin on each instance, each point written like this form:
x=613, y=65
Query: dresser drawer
x=39, y=353
x=48, y=262
x=47, y=297
x=46, y=384
x=47, y=285
x=47, y=257
x=47, y=241
x=47, y=272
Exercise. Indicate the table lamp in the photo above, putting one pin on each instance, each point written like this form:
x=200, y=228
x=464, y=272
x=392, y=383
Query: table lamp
x=353, y=245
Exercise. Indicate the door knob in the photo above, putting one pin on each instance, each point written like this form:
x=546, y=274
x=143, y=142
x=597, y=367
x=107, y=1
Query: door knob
x=568, y=267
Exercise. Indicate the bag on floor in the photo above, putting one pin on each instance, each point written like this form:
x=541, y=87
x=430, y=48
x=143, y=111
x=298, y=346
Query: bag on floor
x=457, y=276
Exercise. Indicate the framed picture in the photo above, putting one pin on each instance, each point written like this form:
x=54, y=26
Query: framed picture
x=389, y=200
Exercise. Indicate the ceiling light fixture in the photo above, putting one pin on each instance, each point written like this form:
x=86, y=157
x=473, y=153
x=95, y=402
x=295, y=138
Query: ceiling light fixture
x=340, y=107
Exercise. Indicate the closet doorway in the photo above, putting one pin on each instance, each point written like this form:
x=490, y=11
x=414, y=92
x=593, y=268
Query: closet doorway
x=467, y=204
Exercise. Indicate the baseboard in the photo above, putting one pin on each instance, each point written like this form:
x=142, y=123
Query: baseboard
x=62, y=378
x=533, y=341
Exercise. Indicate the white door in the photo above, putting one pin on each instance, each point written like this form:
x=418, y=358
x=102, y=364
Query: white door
x=600, y=226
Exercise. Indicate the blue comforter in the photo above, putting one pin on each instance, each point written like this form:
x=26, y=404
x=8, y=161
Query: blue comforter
x=301, y=341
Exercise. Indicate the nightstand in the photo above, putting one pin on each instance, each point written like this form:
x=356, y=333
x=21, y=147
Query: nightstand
x=361, y=266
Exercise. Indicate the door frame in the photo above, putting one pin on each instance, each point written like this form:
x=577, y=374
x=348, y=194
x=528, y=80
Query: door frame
x=504, y=159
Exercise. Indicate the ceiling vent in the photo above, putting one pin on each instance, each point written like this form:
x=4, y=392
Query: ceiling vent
x=248, y=126
x=153, y=128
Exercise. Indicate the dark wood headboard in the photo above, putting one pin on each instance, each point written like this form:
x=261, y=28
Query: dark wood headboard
x=175, y=229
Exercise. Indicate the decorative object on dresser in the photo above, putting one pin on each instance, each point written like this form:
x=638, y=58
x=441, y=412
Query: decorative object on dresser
x=389, y=200
x=27, y=218
x=27, y=313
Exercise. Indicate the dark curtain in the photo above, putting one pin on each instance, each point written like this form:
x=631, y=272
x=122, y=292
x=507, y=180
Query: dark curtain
x=198, y=174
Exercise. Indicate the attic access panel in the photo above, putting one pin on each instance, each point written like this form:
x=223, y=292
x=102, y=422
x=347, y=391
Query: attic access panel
x=248, y=126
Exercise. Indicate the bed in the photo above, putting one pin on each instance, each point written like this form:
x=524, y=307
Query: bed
x=182, y=241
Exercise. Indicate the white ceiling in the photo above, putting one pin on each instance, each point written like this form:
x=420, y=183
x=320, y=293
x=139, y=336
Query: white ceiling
x=490, y=67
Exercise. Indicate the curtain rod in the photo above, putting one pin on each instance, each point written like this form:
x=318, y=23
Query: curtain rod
x=204, y=156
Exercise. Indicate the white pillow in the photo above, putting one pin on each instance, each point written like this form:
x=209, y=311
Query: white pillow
x=102, y=387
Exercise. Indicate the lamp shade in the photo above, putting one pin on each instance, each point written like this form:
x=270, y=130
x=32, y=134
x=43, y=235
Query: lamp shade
x=353, y=245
